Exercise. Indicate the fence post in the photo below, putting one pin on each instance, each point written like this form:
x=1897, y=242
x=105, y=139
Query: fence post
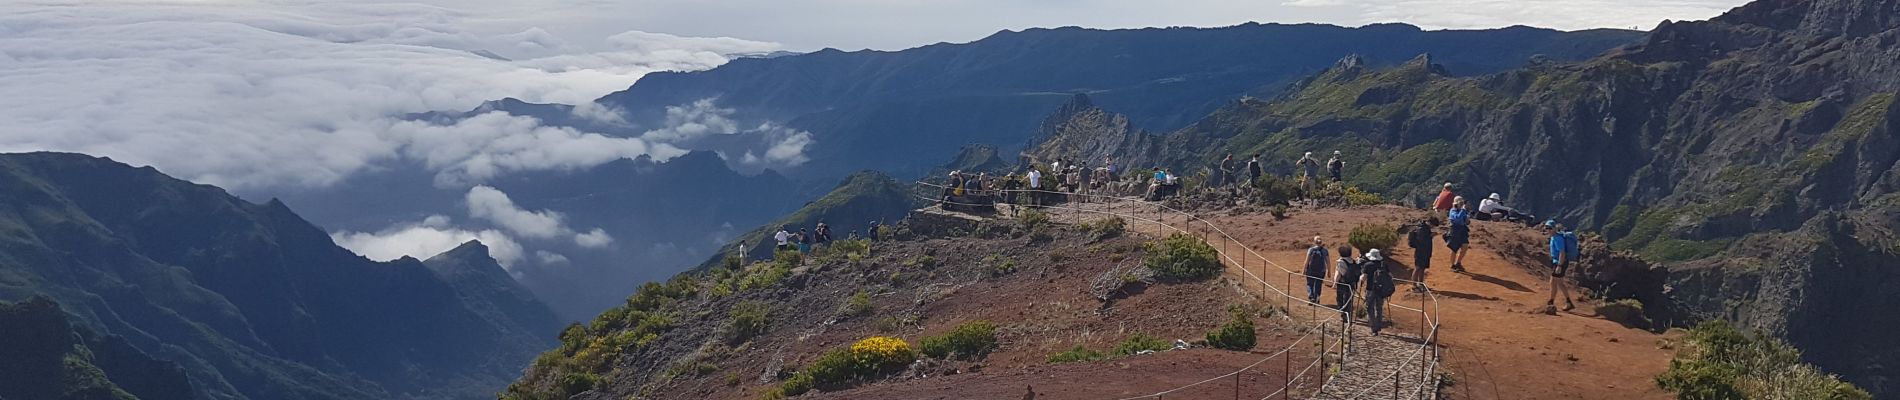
x=1236, y=385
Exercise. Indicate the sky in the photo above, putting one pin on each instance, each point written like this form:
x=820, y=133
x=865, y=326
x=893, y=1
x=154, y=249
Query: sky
x=259, y=95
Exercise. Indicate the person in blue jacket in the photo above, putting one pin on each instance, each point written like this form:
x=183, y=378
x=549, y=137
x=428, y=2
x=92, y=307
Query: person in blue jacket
x=1564, y=250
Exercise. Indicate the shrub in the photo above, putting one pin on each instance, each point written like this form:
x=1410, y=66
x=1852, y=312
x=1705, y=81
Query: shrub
x=1138, y=342
x=874, y=356
x=925, y=262
x=1278, y=211
x=972, y=340
x=746, y=320
x=1719, y=362
x=1107, y=227
x=1000, y=265
x=860, y=247
x=858, y=305
x=1032, y=219
x=1237, y=334
x=1077, y=354
x=575, y=383
x=1273, y=190
x=1181, y=257
x=765, y=275
x=887, y=324
x=1373, y=236
x=1355, y=197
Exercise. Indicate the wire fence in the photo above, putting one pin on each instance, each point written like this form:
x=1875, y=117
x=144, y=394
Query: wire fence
x=1241, y=258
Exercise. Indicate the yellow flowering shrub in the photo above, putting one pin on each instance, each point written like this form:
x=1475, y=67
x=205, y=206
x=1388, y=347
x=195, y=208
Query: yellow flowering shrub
x=871, y=357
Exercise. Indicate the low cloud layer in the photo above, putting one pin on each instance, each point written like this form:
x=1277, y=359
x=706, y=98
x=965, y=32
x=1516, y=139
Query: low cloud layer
x=508, y=229
x=428, y=238
x=1556, y=14
x=250, y=95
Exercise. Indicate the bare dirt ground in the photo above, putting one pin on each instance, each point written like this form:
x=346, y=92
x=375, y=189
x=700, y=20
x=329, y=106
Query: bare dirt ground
x=1494, y=344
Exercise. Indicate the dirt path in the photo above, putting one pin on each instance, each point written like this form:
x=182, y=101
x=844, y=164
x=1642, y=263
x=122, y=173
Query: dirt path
x=1494, y=345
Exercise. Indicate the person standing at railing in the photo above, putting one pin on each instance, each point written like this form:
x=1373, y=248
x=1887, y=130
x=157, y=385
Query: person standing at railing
x=1345, y=281
x=1315, y=270
x=1379, y=287
x=1035, y=183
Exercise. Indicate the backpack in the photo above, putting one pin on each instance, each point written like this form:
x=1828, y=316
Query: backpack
x=1380, y=279
x=1349, y=271
x=1319, y=255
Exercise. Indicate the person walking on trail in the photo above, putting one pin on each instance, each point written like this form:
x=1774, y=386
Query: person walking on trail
x=1564, y=251
x=1253, y=169
x=784, y=239
x=1335, y=165
x=1460, y=233
x=1442, y=205
x=1315, y=270
x=1379, y=287
x=1309, y=172
x=1420, y=240
x=1345, y=282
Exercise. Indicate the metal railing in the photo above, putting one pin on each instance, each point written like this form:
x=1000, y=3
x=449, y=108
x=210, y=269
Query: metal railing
x=1234, y=253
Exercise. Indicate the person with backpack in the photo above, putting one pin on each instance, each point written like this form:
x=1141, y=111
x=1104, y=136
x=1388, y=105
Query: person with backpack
x=1420, y=240
x=1335, y=166
x=1345, y=282
x=1460, y=233
x=824, y=233
x=1379, y=287
x=1224, y=172
x=1309, y=174
x=1315, y=270
x=804, y=241
x=1564, y=250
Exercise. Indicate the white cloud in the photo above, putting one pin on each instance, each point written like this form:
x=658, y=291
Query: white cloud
x=427, y=239
x=285, y=94
x=596, y=238
x=550, y=258
x=493, y=205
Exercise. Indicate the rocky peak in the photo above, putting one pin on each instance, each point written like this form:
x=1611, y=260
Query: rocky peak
x=1821, y=18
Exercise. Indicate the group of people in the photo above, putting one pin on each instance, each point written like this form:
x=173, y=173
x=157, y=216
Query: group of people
x=1368, y=275
x=1565, y=248
x=803, y=240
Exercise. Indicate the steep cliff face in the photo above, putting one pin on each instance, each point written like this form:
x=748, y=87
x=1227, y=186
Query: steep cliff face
x=49, y=358
x=251, y=300
x=1768, y=136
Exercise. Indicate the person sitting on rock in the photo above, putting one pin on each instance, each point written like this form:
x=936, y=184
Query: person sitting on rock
x=1493, y=207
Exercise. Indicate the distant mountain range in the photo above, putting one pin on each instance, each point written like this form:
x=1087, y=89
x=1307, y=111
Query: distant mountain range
x=248, y=300
x=1757, y=154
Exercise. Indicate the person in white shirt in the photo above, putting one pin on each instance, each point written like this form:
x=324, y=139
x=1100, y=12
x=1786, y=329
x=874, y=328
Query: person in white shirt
x=1493, y=207
x=1035, y=184
x=784, y=239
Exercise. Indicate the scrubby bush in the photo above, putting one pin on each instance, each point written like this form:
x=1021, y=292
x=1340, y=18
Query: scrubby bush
x=1373, y=236
x=1237, y=334
x=1182, y=257
x=972, y=340
x=746, y=320
x=1031, y=219
x=872, y=357
x=575, y=383
x=1077, y=354
x=1107, y=227
x=858, y=305
x=1000, y=265
x=1138, y=342
x=1719, y=362
x=1272, y=190
x=1352, y=196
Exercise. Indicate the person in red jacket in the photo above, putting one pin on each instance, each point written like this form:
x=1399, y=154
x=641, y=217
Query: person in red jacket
x=1442, y=206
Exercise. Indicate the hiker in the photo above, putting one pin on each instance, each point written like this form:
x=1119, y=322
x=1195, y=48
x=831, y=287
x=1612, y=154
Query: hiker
x=1253, y=170
x=1345, y=278
x=1224, y=172
x=1315, y=270
x=872, y=231
x=1035, y=183
x=1564, y=251
x=1443, y=204
x=784, y=239
x=824, y=233
x=1420, y=240
x=1460, y=233
x=1379, y=287
x=1335, y=165
x=804, y=241
x=1114, y=174
x=1493, y=207
x=1087, y=176
x=1309, y=172
x=853, y=235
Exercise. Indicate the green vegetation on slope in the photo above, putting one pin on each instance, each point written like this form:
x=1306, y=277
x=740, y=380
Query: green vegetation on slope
x=1717, y=362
